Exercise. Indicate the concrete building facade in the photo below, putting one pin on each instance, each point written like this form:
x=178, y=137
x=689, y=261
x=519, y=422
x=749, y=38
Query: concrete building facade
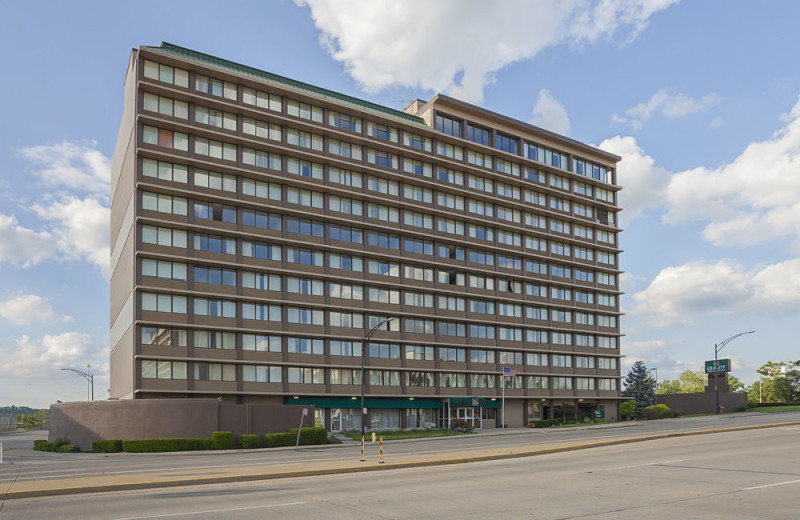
x=261, y=226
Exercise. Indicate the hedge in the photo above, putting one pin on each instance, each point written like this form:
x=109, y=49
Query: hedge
x=162, y=445
x=308, y=437
x=110, y=446
x=657, y=411
x=276, y=440
x=249, y=442
x=59, y=445
x=546, y=423
x=222, y=440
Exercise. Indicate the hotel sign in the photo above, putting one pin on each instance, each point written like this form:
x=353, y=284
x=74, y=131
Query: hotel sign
x=717, y=366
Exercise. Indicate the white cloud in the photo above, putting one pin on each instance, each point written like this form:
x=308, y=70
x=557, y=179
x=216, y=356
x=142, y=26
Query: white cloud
x=82, y=226
x=715, y=123
x=680, y=295
x=456, y=46
x=643, y=183
x=550, y=114
x=669, y=105
x=27, y=308
x=25, y=356
x=23, y=246
x=70, y=165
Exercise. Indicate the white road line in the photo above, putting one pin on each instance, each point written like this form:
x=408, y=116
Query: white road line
x=212, y=511
x=772, y=485
x=648, y=464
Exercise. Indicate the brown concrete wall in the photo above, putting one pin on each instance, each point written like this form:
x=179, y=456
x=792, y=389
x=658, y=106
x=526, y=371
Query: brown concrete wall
x=702, y=402
x=83, y=423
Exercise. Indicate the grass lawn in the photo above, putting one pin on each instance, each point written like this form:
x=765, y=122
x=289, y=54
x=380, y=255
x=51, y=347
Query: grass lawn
x=391, y=435
x=776, y=409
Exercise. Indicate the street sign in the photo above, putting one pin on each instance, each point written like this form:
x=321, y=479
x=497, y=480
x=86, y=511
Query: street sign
x=717, y=366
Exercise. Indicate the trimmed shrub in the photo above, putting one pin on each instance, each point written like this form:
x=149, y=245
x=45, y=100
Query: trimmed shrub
x=460, y=425
x=162, y=445
x=67, y=448
x=310, y=436
x=249, y=442
x=222, y=440
x=628, y=409
x=208, y=444
x=42, y=445
x=109, y=446
x=657, y=411
x=276, y=440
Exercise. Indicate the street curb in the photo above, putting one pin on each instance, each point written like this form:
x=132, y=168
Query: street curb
x=10, y=495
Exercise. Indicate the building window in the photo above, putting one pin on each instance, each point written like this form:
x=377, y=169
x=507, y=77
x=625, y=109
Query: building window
x=479, y=135
x=379, y=158
x=170, y=337
x=261, y=250
x=304, y=111
x=164, y=203
x=264, y=282
x=162, y=269
x=346, y=291
x=458, y=355
x=262, y=374
x=383, y=240
x=345, y=348
x=450, y=151
x=165, y=138
x=304, y=139
x=215, y=87
x=261, y=159
x=214, y=276
x=260, y=99
x=346, y=262
x=448, y=125
x=214, y=339
x=414, y=326
x=385, y=213
x=214, y=308
x=166, y=106
x=384, y=268
x=305, y=286
x=214, y=211
x=258, y=343
x=483, y=381
x=271, y=221
x=505, y=143
x=378, y=131
x=215, y=118
x=215, y=149
x=344, y=121
x=306, y=376
x=451, y=176
x=339, y=376
x=312, y=199
x=305, y=346
x=352, y=320
x=345, y=177
x=164, y=303
x=344, y=149
x=214, y=244
x=164, y=170
x=314, y=228
x=449, y=328
x=163, y=369
x=166, y=74
x=261, y=129
x=417, y=141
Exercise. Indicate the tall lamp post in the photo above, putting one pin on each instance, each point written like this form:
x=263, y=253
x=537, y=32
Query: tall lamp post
x=717, y=348
x=364, y=342
x=89, y=380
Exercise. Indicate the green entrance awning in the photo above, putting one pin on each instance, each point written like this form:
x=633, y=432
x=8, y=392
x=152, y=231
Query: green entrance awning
x=369, y=402
x=474, y=401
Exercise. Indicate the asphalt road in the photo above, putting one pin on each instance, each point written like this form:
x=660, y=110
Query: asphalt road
x=24, y=464
x=744, y=474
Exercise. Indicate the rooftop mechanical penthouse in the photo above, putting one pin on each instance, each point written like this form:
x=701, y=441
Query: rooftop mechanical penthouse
x=260, y=226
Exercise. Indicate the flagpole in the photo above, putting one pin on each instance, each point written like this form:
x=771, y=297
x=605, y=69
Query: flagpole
x=503, y=399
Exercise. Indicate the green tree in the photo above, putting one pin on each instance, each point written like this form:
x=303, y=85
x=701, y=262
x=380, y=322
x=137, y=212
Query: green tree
x=736, y=384
x=640, y=386
x=669, y=386
x=36, y=419
x=627, y=409
x=780, y=381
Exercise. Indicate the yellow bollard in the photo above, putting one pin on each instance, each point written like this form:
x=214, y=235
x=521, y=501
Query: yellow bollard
x=373, y=438
x=380, y=459
x=362, y=448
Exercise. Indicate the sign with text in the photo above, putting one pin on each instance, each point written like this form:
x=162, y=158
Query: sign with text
x=717, y=366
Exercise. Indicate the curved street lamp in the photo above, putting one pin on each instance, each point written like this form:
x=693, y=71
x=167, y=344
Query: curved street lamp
x=717, y=348
x=89, y=380
x=364, y=341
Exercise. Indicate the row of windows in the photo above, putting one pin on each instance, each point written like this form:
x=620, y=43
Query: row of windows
x=220, y=244
x=274, y=191
x=345, y=376
x=379, y=131
x=273, y=221
x=175, y=337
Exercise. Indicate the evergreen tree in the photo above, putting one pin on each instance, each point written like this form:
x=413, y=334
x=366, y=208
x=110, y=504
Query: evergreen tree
x=640, y=386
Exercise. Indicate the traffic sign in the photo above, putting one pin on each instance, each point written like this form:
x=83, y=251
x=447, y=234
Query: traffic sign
x=717, y=366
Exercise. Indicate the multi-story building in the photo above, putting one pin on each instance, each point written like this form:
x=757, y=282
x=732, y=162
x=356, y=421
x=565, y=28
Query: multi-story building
x=261, y=226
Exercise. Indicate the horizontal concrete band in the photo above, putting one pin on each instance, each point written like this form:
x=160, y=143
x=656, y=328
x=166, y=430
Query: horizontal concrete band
x=151, y=480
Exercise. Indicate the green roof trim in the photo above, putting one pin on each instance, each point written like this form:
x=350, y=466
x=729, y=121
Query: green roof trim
x=232, y=66
x=369, y=402
x=470, y=401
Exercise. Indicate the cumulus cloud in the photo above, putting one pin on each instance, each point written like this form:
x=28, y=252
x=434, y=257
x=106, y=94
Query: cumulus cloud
x=678, y=295
x=753, y=199
x=550, y=114
x=456, y=46
x=643, y=183
x=22, y=246
x=24, y=356
x=82, y=226
x=28, y=308
x=666, y=104
x=70, y=165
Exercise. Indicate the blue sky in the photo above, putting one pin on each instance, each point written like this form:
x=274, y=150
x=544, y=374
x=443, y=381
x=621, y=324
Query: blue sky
x=701, y=99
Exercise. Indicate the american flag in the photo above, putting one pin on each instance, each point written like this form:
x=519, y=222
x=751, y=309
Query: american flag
x=507, y=372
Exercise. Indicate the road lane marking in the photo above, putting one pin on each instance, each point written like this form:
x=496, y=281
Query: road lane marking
x=772, y=485
x=212, y=511
x=648, y=464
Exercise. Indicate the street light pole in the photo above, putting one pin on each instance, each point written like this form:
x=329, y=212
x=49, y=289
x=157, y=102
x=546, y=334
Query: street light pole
x=717, y=348
x=364, y=341
x=89, y=381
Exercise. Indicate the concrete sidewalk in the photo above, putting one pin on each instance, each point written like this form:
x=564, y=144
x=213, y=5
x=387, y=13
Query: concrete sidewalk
x=184, y=477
